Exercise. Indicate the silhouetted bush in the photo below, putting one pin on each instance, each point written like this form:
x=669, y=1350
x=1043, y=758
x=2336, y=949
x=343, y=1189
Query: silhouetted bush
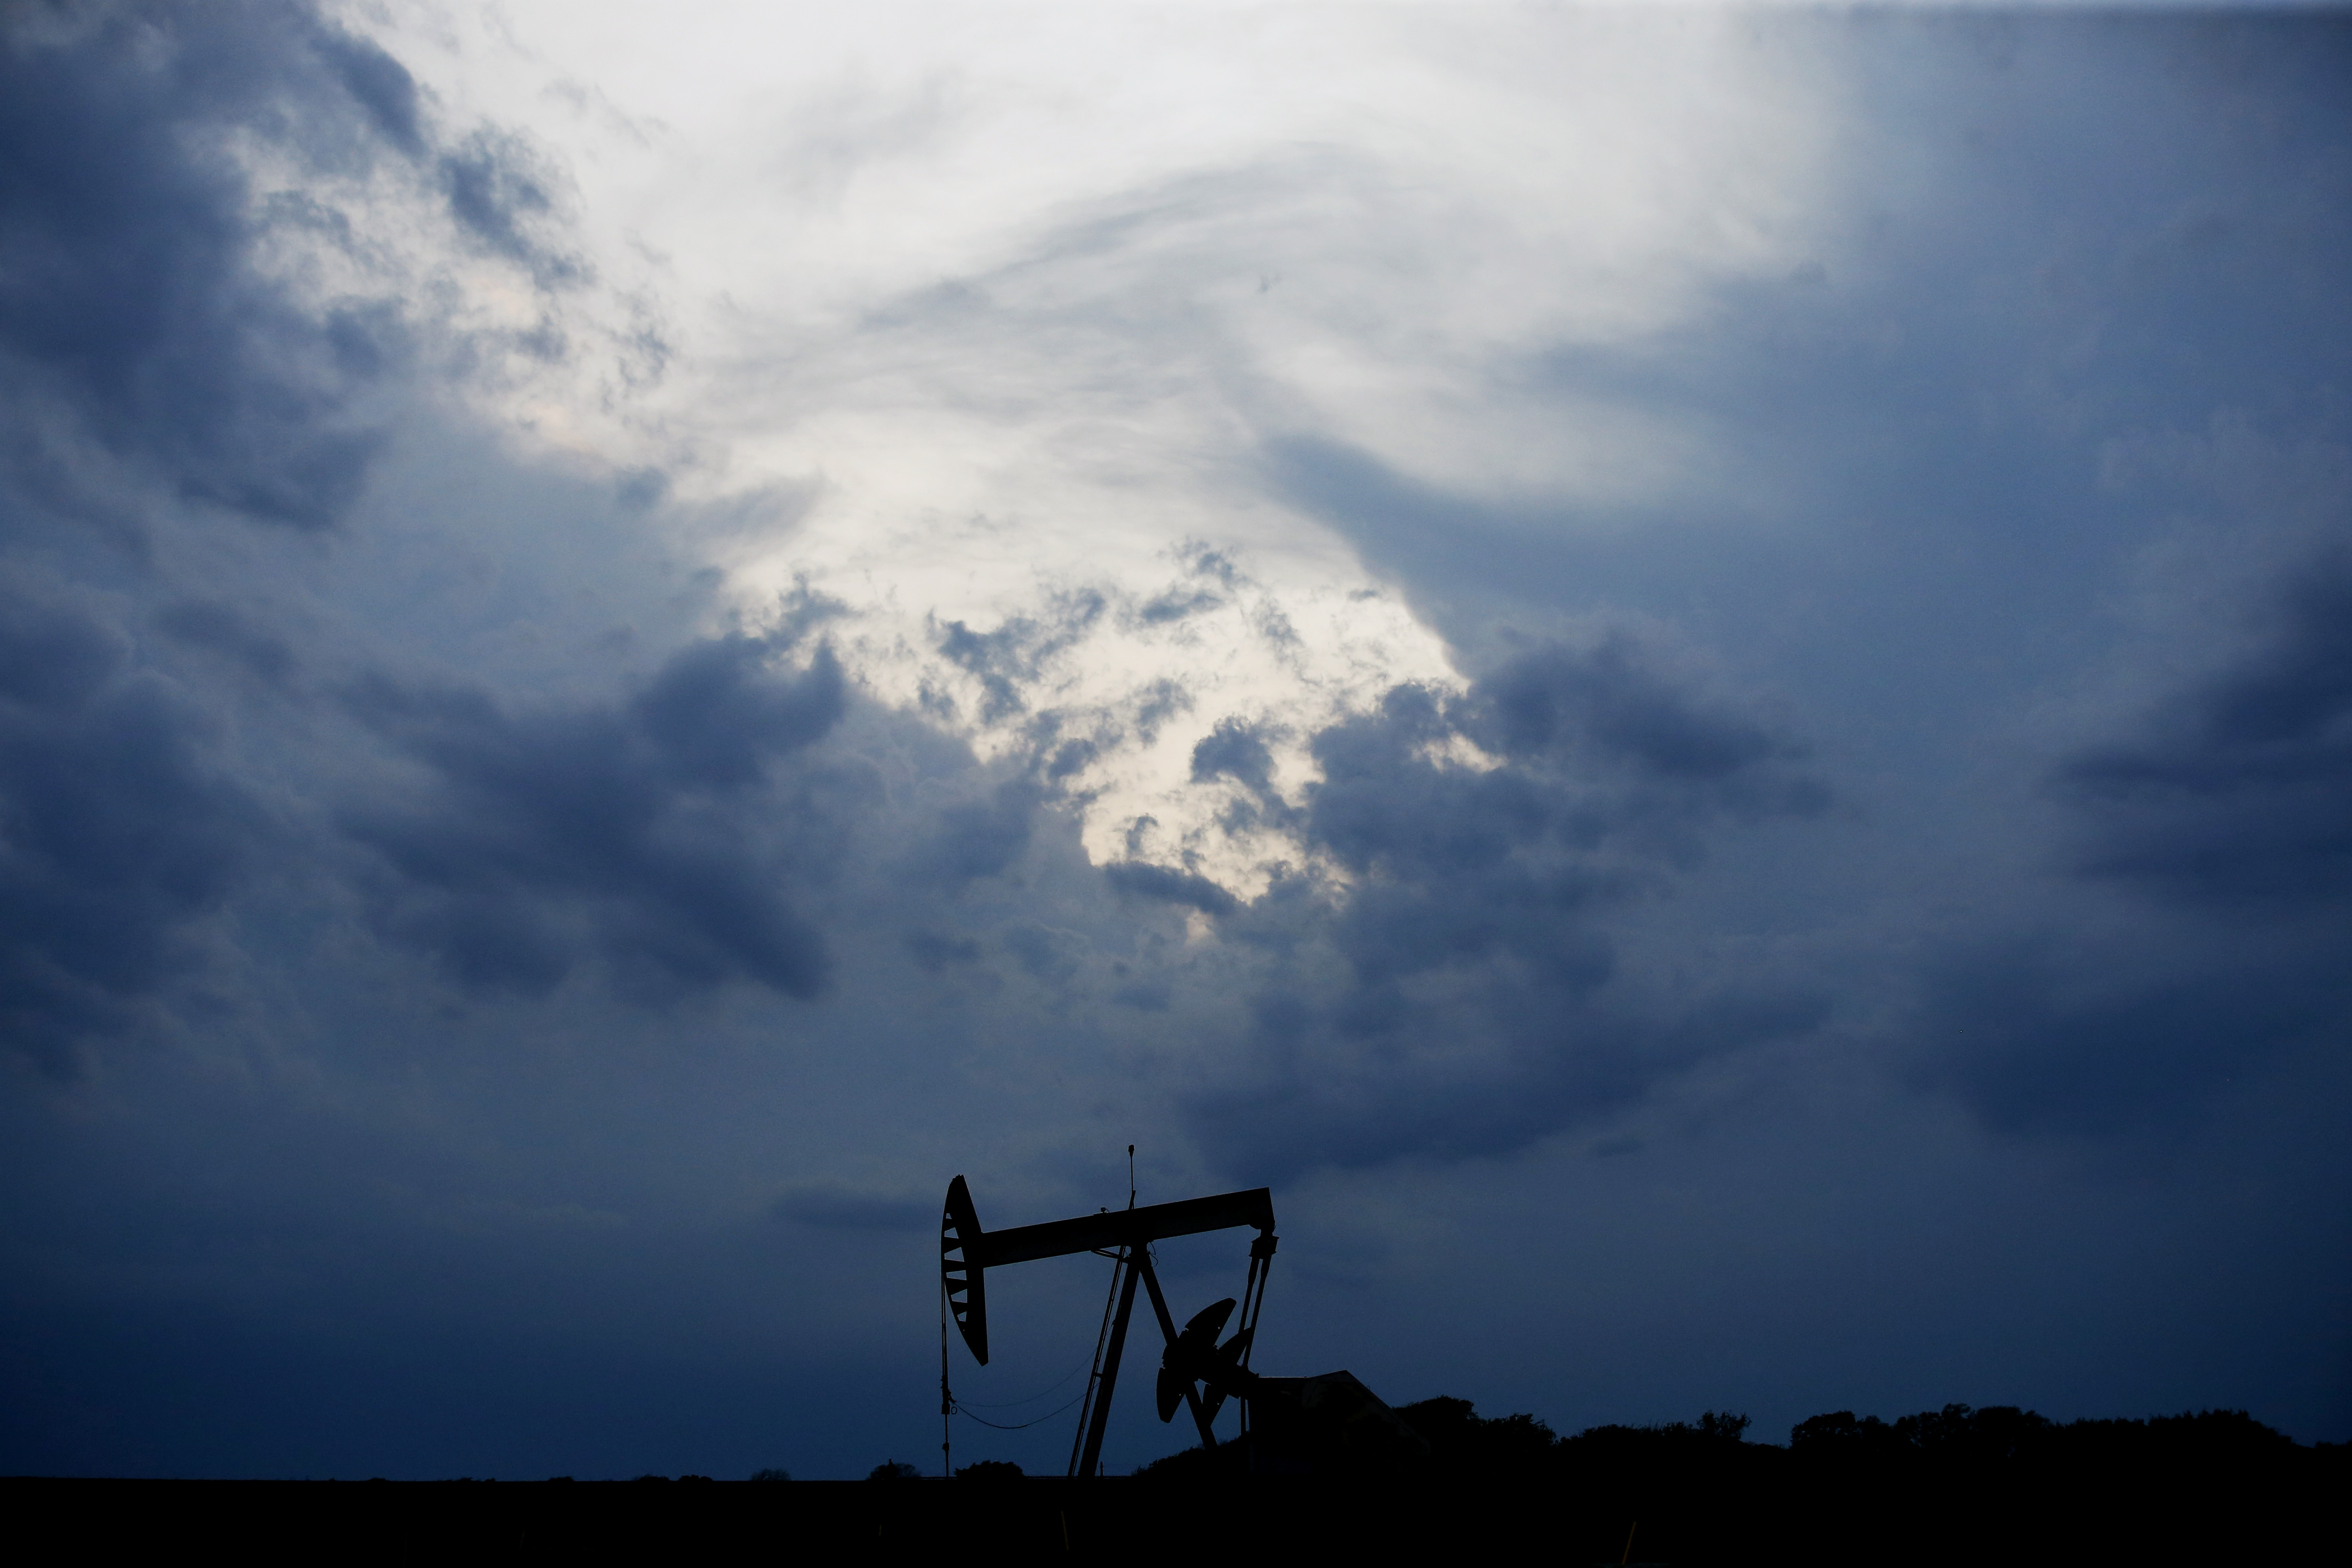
x=989, y=1470
x=893, y=1470
x=1197, y=1463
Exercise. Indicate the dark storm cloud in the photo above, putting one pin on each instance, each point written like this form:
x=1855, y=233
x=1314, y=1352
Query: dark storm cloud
x=1607, y=698
x=842, y=1208
x=126, y=289
x=133, y=318
x=132, y=311
x=1465, y=1013
x=2038, y=1038
x=662, y=832
x=225, y=630
x=933, y=952
x=2241, y=795
x=1165, y=883
x=500, y=192
x=977, y=838
x=115, y=835
x=2232, y=805
x=382, y=86
x=1236, y=751
x=1958, y=559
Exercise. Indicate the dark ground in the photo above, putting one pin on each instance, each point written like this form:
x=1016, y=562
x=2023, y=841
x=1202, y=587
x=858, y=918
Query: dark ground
x=1760, y=1505
x=1953, y=1485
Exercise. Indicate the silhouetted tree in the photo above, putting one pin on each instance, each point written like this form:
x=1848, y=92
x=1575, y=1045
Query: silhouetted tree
x=1462, y=1441
x=1722, y=1425
x=1839, y=1435
x=893, y=1470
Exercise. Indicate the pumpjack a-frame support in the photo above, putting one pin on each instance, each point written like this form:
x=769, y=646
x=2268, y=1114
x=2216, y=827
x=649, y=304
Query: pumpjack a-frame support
x=1124, y=1235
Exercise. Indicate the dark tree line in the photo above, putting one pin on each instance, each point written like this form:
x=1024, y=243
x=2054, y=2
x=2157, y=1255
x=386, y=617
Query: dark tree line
x=1942, y=1485
x=1956, y=1436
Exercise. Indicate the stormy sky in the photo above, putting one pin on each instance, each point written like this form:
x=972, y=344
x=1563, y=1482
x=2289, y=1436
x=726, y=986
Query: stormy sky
x=1687, y=670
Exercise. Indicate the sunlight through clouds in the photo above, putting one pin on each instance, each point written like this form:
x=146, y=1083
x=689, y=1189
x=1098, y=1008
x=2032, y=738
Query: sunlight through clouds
x=1020, y=327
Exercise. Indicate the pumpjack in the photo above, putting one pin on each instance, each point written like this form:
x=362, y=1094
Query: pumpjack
x=1307, y=1420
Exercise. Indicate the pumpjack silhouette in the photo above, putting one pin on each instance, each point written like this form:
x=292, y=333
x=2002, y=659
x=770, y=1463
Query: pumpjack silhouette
x=1289, y=1424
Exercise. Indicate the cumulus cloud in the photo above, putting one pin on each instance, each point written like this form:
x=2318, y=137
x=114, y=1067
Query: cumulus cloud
x=1443, y=988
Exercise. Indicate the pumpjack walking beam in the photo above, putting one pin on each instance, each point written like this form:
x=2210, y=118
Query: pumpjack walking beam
x=967, y=1252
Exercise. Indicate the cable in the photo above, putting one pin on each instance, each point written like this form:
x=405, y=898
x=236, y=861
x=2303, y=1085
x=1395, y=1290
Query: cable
x=1015, y=1425
x=1045, y=1393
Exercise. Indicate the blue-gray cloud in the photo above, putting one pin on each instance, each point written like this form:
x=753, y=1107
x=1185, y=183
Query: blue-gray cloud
x=619, y=829
x=2230, y=809
x=118, y=834
x=2240, y=794
x=498, y=191
x=841, y=1208
x=1465, y=1014
x=127, y=294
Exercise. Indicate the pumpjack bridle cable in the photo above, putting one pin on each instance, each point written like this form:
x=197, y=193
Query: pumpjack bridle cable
x=951, y=1405
x=1015, y=1425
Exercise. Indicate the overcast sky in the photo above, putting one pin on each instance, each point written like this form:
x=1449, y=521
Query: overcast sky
x=1689, y=671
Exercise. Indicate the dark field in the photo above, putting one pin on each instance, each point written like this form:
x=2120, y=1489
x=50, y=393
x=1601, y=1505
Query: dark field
x=2222, y=1495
